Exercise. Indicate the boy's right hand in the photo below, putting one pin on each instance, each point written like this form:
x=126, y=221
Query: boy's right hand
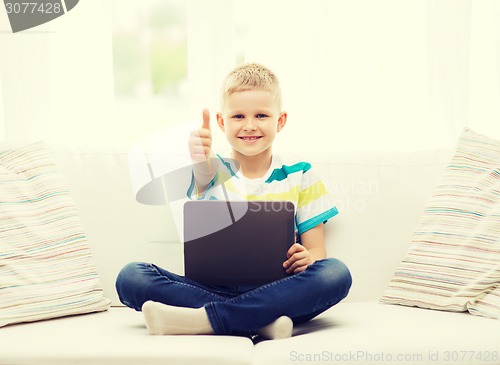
x=200, y=140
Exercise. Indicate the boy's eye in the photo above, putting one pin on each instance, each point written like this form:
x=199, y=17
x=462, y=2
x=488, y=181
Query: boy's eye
x=260, y=116
x=238, y=116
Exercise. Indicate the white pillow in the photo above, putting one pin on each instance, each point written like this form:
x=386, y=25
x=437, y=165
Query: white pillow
x=46, y=268
x=453, y=262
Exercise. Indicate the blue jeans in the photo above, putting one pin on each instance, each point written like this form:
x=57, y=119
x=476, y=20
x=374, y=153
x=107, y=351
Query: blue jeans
x=239, y=310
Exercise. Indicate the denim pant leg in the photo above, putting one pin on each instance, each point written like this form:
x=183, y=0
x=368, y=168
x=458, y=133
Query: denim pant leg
x=139, y=282
x=301, y=297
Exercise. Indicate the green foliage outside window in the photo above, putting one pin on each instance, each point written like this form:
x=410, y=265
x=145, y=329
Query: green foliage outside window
x=151, y=54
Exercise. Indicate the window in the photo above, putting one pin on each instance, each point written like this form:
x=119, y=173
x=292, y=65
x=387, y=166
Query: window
x=150, y=48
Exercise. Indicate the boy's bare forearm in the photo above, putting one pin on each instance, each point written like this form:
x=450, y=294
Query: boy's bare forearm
x=204, y=172
x=314, y=241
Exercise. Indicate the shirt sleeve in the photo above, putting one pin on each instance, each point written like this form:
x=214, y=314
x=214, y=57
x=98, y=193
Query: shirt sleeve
x=315, y=204
x=213, y=190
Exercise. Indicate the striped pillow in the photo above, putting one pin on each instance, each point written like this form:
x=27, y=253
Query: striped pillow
x=453, y=262
x=46, y=269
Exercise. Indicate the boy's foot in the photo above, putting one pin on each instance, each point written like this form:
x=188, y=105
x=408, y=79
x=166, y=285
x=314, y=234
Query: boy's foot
x=162, y=319
x=280, y=328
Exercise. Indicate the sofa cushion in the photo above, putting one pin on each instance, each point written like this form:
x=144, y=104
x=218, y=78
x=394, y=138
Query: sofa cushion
x=118, y=336
x=46, y=268
x=373, y=333
x=348, y=333
x=453, y=262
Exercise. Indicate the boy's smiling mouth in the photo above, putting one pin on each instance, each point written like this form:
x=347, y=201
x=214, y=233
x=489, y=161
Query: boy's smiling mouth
x=250, y=139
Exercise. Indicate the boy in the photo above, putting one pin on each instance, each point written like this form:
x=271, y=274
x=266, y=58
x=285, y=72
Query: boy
x=250, y=117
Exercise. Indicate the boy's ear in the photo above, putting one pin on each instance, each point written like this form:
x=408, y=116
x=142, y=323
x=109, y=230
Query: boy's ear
x=282, y=121
x=220, y=122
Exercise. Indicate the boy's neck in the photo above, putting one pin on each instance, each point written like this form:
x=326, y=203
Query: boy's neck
x=254, y=167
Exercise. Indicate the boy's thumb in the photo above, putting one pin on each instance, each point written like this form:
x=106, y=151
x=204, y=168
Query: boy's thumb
x=206, y=119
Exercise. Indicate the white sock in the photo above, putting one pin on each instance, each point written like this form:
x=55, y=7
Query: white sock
x=162, y=319
x=280, y=328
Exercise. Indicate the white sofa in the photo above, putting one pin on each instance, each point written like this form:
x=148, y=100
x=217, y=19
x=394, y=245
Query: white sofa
x=380, y=196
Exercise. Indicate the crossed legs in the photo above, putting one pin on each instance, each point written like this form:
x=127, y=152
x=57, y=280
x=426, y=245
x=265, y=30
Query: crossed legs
x=173, y=304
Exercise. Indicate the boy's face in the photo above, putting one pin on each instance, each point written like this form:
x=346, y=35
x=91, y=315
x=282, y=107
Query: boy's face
x=250, y=119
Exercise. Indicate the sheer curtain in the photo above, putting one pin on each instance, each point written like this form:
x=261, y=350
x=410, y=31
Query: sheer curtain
x=2, y=119
x=24, y=68
x=57, y=79
x=359, y=74
x=484, y=85
x=382, y=75
x=464, y=65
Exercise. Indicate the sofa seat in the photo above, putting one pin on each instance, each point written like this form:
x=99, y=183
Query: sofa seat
x=349, y=333
x=117, y=337
x=374, y=333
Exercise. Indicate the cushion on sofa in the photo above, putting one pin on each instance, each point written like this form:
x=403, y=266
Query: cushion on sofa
x=372, y=333
x=453, y=262
x=115, y=337
x=46, y=268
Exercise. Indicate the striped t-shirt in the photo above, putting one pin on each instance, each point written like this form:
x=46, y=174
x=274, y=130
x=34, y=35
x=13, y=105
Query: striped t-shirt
x=295, y=182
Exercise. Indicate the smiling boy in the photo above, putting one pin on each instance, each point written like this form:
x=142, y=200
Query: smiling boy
x=250, y=117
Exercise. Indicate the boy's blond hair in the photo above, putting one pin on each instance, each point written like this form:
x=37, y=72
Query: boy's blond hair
x=251, y=76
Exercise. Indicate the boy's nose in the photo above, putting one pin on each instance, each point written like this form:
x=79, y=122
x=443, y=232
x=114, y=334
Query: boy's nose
x=249, y=125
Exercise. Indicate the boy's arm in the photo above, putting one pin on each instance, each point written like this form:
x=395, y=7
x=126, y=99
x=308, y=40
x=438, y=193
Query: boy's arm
x=200, y=149
x=312, y=248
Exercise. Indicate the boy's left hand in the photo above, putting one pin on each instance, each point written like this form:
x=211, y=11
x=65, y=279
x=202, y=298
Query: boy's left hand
x=299, y=258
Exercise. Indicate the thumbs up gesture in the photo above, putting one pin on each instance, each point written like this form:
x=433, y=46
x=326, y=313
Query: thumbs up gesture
x=200, y=148
x=200, y=140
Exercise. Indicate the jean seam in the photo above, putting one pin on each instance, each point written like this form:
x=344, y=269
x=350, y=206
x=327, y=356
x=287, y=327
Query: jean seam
x=271, y=284
x=214, y=318
x=265, y=286
x=330, y=303
x=186, y=284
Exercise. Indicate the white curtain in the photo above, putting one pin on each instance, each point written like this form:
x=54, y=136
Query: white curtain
x=464, y=64
x=356, y=75
x=3, y=26
x=385, y=74
x=57, y=78
x=2, y=119
x=484, y=85
x=449, y=54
